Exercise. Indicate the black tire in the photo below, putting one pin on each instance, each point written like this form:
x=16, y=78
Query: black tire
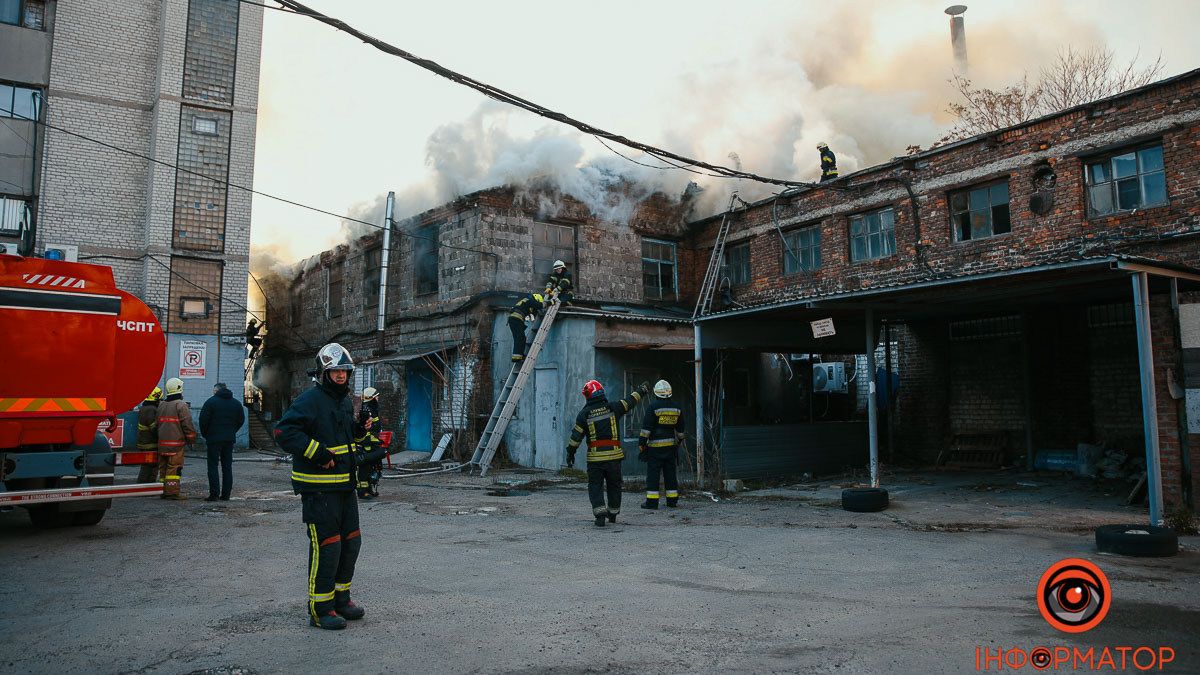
x=864, y=500
x=49, y=517
x=1142, y=541
x=87, y=518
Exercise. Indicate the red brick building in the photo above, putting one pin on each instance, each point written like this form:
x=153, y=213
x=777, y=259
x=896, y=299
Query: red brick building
x=1003, y=269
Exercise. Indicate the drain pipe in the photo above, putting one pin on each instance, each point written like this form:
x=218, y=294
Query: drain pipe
x=699, y=381
x=383, y=266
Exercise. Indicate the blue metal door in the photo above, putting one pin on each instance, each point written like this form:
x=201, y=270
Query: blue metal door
x=548, y=443
x=420, y=407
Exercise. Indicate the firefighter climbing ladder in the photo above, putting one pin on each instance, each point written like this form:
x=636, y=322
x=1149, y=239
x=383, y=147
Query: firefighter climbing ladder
x=712, y=276
x=506, y=403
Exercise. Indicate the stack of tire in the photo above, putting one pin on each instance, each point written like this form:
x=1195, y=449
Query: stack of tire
x=865, y=499
x=1142, y=541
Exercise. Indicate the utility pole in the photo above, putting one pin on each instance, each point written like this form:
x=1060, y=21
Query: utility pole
x=383, y=268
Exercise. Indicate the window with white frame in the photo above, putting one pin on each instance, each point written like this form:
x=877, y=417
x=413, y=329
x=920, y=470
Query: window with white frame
x=659, y=276
x=1131, y=180
x=204, y=125
x=980, y=212
x=803, y=250
x=873, y=235
x=15, y=215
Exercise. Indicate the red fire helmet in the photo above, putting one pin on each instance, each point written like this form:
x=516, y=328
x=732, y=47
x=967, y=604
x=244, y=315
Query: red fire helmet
x=591, y=388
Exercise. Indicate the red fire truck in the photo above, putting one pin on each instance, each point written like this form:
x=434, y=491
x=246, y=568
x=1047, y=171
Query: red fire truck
x=76, y=352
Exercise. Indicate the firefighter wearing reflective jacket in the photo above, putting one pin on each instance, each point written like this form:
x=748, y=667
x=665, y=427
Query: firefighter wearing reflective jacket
x=829, y=169
x=527, y=308
x=147, y=435
x=558, y=284
x=175, y=430
x=598, y=421
x=318, y=431
x=658, y=445
x=370, y=449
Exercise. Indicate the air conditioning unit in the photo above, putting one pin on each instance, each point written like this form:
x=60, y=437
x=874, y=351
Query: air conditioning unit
x=829, y=377
x=8, y=248
x=67, y=252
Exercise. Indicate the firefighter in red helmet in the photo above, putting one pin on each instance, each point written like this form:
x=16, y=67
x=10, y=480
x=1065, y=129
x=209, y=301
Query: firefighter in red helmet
x=598, y=420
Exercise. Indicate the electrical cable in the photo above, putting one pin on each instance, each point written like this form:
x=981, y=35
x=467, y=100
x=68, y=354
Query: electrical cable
x=512, y=99
x=227, y=183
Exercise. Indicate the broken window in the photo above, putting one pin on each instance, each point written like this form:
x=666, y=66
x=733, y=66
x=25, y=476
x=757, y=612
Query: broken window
x=803, y=250
x=1132, y=180
x=873, y=235
x=631, y=424
x=980, y=212
x=552, y=241
x=334, y=304
x=372, y=263
x=659, y=277
x=425, y=258
x=737, y=264
x=22, y=103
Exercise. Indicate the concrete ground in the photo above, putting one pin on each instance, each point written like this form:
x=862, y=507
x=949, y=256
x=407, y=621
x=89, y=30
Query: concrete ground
x=457, y=580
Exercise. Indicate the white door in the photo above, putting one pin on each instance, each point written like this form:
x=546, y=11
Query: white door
x=548, y=444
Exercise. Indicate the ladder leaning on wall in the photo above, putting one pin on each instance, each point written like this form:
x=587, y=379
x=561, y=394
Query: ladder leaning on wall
x=510, y=395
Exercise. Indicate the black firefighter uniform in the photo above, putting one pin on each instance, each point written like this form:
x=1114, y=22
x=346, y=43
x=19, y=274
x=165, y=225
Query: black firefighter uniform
x=599, y=422
x=527, y=307
x=372, y=452
x=658, y=444
x=319, y=427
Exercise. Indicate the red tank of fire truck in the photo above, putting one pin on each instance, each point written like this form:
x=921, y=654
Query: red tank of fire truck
x=77, y=351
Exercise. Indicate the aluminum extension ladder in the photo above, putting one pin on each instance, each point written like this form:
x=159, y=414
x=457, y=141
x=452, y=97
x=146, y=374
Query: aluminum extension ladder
x=510, y=395
x=712, y=276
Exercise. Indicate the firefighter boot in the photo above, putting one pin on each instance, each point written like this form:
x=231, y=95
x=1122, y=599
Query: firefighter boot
x=329, y=621
x=601, y=514
x=651, y=502
x=612, y=517
x=345, y=607
x=672, y=498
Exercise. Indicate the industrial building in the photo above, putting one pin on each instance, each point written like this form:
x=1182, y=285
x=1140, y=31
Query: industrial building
x=175, y=82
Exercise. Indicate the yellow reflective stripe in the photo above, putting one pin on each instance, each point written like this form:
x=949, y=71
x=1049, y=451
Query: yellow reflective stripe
x=360, y=439
x=146, y=427
x=147, y=446
x=515, y=315
x=311, y=449
x=644, y=433
x=662, y=443
x=312, y=571
x=172, y=477
x=579, y=428
x=339, y=449
x=320, y=478
x=321, y=597
x=605, y=455
x=651, y=494
x=672, y=493
x=342, y=587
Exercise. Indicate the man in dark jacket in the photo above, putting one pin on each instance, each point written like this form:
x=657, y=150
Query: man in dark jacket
x=658, y=445
x=527, y=307
x=318, y=431
x=599, y=422
x=220, y=419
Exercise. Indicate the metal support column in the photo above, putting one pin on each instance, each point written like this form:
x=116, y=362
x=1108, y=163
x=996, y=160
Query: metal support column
x=872, y=422
x=1141, y=316
x=699, y=381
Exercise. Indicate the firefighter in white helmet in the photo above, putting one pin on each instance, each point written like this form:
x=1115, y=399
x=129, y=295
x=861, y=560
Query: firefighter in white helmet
x=318, y=431
x=175, y=430
x=370, y=449
x=558, y=283
x=829, y=169
x=658, y=445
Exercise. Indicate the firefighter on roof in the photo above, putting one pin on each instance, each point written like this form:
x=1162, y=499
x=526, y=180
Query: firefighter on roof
x=829, y=169
x=559, y=284
x=318, y=431
x=371, y=451
x=526, y=309
x=147, y=435
x=175, y=430
x=658, y=445
x=598, y=421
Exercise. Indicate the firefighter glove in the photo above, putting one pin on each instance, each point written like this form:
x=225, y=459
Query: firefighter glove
x=570, y=456
x=644, y=388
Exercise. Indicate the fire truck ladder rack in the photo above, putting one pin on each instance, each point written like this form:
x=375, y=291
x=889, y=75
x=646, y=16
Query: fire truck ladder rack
x=510, y=395
x=712, y=276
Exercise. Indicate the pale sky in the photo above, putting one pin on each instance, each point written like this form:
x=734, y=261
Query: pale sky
x=341, y=123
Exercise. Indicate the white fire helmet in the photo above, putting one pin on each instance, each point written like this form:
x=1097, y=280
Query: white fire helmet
x=333, y=357
x=369, y=394
x=174, y=386
x=559, y=263
x=662, y=389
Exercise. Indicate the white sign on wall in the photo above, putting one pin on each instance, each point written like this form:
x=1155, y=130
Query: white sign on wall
x=193, y=358
x=822, y=328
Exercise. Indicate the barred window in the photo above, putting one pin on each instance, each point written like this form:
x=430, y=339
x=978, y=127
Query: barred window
x=873, y=235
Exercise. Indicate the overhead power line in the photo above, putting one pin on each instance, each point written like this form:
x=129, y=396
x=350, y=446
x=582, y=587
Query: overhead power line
x=503, y=96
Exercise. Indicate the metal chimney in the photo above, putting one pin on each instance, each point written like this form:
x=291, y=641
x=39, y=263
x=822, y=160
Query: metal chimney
x=958, y=36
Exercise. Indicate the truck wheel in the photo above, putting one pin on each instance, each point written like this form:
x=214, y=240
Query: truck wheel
x=47, y=517
x=88, y=517
x=864, y=500
x=1142, y=541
